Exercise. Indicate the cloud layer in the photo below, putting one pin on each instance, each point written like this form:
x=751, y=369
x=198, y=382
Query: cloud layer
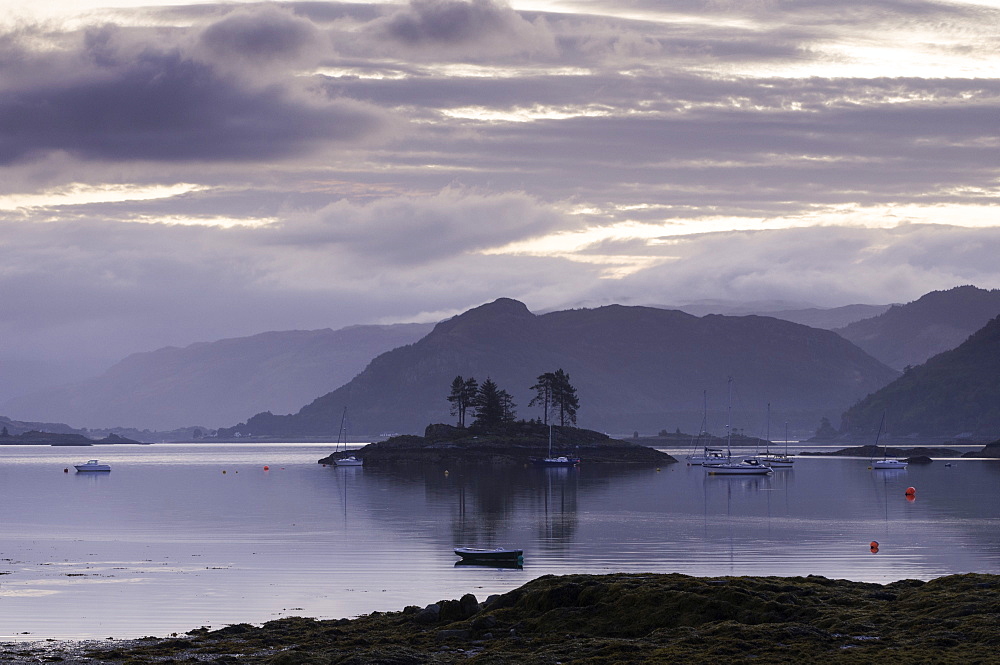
x=179, y=174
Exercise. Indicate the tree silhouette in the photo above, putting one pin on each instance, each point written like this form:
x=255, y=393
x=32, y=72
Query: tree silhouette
x=463, y=394
x=543, y=394
x=564, y=397
x=494, y=407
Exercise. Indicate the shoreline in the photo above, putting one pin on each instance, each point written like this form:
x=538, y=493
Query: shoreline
x=613, y=618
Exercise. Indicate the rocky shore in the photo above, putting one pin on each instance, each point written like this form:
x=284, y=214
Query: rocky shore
x=518, y=445
x=617, y=618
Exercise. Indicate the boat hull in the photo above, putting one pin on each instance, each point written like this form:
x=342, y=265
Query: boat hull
x=557, y=461
x=888, y=464
x=750, y=467
x=483, y=554
x=92, y=465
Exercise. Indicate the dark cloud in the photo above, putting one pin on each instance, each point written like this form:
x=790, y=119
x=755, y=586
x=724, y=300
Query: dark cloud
x=476, y=27
x=163, y=105
x=261, y=35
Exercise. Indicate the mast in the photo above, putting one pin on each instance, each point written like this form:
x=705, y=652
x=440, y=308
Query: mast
x=729, y=422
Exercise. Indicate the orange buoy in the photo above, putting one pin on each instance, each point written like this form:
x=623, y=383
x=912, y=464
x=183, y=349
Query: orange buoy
x=267, y=468
x=911, y=491
x=873, y=546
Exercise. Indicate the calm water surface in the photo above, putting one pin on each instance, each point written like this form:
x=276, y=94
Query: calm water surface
x=179, y=536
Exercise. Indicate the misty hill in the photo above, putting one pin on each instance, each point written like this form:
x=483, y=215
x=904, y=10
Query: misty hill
x=635, y=368
x=954, y=393
x=217, y=383
x=938, y=321
x=827, y=318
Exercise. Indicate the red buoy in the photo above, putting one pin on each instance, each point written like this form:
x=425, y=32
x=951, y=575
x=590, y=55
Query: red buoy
x=874, y=546
x=267, y=468
x=911, y=491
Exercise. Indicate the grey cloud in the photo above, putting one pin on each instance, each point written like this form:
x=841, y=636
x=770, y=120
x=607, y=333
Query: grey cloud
x=417, y=231
x=824, y=265
x=161, y=105
x=472, y=28
x=261, y=35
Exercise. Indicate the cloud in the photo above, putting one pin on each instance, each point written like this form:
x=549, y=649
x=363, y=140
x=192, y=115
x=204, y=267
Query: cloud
x=104, y=98
x=476, y=28
x=417, y=231
x=262, y=36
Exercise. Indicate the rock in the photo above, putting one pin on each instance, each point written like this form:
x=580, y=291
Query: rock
x=470, y=606
x=430, y=614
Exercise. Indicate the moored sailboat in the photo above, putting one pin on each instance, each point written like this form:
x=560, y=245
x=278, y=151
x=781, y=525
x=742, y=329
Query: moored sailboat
x=885, y=462
x=348, y=460
x=751, y=466
x=560, y=460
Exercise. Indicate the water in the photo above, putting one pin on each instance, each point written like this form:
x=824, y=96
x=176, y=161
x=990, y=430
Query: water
x=181, y=536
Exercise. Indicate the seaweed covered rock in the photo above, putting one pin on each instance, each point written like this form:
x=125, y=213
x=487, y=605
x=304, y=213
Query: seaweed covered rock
x=626, y=618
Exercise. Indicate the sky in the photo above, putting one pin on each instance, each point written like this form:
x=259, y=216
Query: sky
x=186, y=172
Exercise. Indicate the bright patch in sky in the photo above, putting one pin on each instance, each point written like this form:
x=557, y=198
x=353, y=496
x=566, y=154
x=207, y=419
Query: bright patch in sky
x=81, y=194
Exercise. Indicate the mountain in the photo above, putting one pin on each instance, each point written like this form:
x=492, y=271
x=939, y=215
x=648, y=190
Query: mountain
x=907, y=335
x=828, y=319
x=215, y=383
x=954, y=394
x=634, y=368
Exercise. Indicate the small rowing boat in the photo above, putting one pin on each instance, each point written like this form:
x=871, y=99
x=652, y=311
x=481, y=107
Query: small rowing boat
x=489, y=554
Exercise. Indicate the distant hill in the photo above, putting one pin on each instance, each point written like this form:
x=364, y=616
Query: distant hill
x=218, y=383
x=954, y=394
x=828, y=319
x=635, y=368
x=907, y=335
x=814, y=317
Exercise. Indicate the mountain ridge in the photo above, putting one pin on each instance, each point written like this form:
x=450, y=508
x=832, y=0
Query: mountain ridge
x=634, y=367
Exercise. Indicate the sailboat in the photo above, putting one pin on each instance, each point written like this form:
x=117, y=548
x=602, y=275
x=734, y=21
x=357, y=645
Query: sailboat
x=885, y=462
x=349, y=460
x=708, y=456
x=775, y=460
x=747, y=467
x=561, y=460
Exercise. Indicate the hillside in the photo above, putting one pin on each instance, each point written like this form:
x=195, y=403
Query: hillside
x=217, y=383
x=827, y=318
x=952, y=394
x=635, y=368
x=907, y=335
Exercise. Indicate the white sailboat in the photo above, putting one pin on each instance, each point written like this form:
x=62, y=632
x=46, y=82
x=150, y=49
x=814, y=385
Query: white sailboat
x=349, y=460
x=708, y=456
x=885, y=462
x=561, y=460
x=776, y=460
x=751, y=466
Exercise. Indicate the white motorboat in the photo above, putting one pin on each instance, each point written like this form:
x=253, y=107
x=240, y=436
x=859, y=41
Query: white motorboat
x=93, y=465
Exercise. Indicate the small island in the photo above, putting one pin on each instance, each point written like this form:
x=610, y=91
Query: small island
x=514, y=445
x=37, y=438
